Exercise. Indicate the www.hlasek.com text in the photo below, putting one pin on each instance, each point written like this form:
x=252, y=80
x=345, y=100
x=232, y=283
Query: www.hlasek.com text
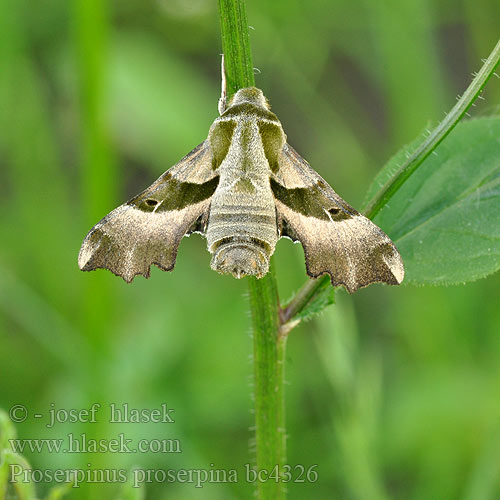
x=81, y=443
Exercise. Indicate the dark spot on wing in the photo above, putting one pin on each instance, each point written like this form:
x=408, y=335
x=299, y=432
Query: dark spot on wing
x=174, y=195
x=337, y=214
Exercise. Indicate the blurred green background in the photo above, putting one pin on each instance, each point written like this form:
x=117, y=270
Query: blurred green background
x=393, y=392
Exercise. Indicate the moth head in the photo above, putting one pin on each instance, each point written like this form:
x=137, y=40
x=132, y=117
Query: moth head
x=251, y=95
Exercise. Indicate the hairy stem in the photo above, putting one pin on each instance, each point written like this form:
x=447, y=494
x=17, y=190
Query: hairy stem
x=236, y=45
x=269, y=346
x=269, y=358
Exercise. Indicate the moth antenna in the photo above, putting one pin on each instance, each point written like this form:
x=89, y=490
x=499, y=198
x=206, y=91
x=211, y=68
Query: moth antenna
x=223, y=90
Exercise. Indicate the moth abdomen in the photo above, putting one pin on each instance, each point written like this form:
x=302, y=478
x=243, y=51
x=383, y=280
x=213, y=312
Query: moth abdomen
x=241, y=256
x=241, y=238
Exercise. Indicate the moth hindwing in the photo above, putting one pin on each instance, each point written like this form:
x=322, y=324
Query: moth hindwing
x=243, y=188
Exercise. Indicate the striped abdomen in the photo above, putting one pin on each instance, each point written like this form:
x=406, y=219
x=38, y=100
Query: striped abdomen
x=242, y=231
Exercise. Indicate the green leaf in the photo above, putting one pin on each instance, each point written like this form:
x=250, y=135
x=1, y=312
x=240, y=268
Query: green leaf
x=324, y=297
x=445, y=218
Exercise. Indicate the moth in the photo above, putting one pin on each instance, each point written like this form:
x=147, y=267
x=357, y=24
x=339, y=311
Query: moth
x=243, y=188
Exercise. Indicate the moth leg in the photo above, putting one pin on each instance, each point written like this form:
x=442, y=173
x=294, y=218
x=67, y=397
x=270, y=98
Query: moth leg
x=223, y=91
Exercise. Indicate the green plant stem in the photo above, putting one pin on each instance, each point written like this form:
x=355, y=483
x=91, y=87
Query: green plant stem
x=303, y=297
x=269, y=370
x=436, y=137
x=269, y=345
x=236, y=46
x=311, y=288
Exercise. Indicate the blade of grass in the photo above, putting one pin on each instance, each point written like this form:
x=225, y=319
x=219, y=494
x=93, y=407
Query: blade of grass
x=99, y=177
x=100, y=182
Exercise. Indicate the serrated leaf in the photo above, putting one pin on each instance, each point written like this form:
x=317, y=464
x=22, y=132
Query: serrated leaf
x=445, y=219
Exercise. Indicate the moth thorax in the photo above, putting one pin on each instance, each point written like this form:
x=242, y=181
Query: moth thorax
x=241, y=257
